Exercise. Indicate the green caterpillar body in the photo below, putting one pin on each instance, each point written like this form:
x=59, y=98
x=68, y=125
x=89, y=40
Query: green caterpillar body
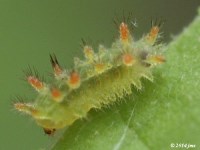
x=101, y=79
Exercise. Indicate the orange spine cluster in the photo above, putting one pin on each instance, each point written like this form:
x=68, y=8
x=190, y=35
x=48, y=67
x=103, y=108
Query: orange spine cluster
x=56, y=94
x=36, y=83
x=128, y=59
x=89, y=53
x=74, y=80
x=56, y=67
x=124, y=32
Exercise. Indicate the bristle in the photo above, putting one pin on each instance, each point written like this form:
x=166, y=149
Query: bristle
x=32, y=71
x=74, y=80
x=77, y=62
x=35, y=82
x=128, y=59
x=89, y=53
x=124, y=32
x=101, y=50
x=26, y=108
x=56, y=67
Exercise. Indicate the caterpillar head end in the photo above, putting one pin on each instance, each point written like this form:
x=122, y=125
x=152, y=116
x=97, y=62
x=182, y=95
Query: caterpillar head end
x=49, y=132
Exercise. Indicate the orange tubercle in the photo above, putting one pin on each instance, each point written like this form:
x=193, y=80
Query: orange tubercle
x=124, y=32
x=35, y=82
x=153, y=34
x=154, y=30
x=56, y=94
x=128, y=59
x=74, y=80
x=57, y=70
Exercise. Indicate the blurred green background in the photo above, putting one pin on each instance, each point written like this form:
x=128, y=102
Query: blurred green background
x=30, y=30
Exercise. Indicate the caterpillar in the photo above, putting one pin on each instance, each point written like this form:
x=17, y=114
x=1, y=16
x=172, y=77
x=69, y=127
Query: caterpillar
x=102, y=78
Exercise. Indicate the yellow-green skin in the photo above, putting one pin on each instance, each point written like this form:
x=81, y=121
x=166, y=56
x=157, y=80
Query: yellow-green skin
x=94, y=93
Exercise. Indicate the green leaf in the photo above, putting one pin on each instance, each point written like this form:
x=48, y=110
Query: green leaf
x=166, y=111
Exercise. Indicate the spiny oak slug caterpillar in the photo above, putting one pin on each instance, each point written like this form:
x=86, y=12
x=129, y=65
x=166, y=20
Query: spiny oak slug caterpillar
x=98, y=80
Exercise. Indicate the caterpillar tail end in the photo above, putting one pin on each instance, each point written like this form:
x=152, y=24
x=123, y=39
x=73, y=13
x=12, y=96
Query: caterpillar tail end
x=26, y=108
